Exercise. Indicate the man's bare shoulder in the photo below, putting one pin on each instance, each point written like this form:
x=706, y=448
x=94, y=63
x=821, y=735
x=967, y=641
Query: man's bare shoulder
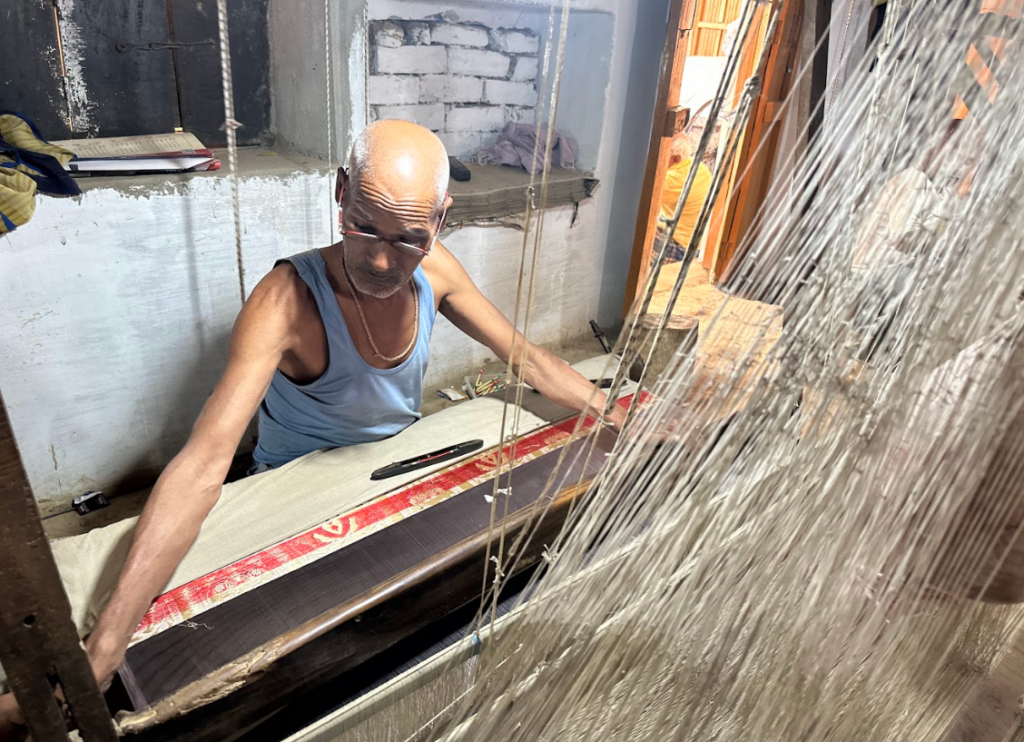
x=282, y=292
x=445, y=272
x=277, y=310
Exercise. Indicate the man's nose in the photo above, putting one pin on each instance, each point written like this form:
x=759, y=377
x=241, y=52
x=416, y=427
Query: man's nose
x=381, y=256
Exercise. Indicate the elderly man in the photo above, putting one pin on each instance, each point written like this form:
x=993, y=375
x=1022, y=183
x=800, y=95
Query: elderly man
x=331, y=349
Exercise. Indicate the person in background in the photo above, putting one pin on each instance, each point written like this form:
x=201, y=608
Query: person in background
x=679, y=165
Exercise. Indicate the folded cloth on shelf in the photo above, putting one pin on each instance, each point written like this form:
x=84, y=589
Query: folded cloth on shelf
x=517, y=144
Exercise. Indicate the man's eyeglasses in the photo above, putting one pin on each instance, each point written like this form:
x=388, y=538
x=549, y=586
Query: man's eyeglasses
x=405, y=247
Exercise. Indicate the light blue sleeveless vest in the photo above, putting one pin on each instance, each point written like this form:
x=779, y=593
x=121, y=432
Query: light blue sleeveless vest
x=352, y=402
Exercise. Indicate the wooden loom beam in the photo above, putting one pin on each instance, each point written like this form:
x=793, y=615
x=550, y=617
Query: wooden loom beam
x=39, y=645
x=260, y=683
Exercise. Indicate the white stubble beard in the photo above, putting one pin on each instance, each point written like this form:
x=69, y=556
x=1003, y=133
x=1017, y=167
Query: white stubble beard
x=372, y=290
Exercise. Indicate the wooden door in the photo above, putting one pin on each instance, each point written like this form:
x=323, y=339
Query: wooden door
x=711, y=20
x=737, y=209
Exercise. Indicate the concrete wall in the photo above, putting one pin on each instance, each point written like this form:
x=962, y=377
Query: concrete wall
x=464, y=81
x=116, y=310
x=640, y=27
x=584, y=84
x=300, y=103
x=117, y=304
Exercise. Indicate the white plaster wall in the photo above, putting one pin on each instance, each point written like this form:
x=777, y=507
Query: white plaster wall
x=566, y=291
x=116, y=310
x=701, y=78
x=586, y=75
x=637, y=44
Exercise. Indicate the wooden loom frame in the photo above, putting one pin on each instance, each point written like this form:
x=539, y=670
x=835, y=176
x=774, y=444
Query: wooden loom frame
x=39, y=644
x=247, y=692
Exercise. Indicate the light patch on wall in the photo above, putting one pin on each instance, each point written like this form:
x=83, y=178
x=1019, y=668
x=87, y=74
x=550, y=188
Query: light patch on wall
x=357, y=59
x=80, y=106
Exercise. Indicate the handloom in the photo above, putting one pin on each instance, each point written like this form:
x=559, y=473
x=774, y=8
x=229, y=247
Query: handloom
x=360, y=577
x=418, y=557
x=839, y=557
x=842, y=559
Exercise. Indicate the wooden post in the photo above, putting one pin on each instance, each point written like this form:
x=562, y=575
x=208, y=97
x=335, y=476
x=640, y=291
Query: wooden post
x=679, y=336
x=39, y=645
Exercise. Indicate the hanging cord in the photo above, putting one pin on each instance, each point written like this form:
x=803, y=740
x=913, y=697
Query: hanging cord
x=333, y=217
x=839, y=58
x=498, y=491
x=643, y=303
x=230, y=125
x=493, y=589
x=743, y=112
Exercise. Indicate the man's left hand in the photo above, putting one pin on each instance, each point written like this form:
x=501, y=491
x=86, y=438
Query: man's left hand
x=12, y=721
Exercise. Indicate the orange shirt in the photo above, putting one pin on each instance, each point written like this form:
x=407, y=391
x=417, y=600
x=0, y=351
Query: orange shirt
x=674, y=183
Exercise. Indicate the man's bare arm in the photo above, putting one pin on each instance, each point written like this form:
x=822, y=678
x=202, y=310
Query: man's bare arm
x=190, y=486
x=471, y=311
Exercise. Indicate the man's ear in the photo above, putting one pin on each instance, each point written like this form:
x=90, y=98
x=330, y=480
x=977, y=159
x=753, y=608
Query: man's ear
x=445, y=209
x=340, y=185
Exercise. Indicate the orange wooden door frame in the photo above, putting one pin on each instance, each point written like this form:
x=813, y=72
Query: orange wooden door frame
x=669, y=120
x=739, y=203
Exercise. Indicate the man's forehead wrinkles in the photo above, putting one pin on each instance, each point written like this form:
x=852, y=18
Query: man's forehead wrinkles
x=374, y=193
x=412, y=218
x=368, y=204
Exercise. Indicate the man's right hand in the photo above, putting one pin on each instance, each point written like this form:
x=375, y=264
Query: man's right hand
x=106, y=657
x=104, y=667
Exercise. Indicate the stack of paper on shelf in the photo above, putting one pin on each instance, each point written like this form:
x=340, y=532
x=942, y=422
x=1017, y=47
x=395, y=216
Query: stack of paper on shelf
x=178, y=152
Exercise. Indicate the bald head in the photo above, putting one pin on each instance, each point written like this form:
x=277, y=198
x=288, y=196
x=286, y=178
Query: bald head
x=393, y=201
x=401, y=158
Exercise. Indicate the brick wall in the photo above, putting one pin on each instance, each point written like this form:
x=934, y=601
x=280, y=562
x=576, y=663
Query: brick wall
x=463, y=81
